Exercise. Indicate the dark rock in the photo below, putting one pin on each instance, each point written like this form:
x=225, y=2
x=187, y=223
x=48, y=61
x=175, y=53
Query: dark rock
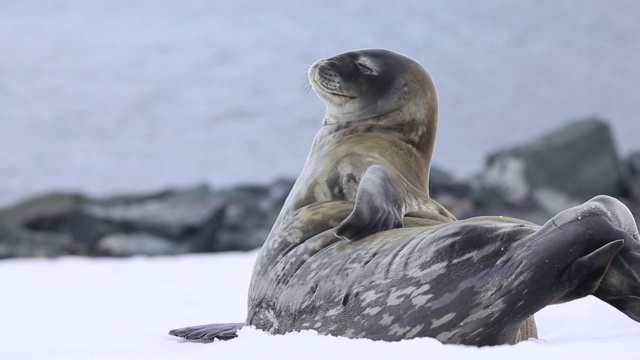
x=441, y=182
x=450, y=192
x=20, y=242
x=86, y=230
x=198, y=219
x=245, y=221
x=136, y=244
x=633, y=191
x=209, y=237
x=276, y=194
x=41, y=212
x=634, y=164
x=532, y=182
x=173, y=215
x=20, y=226
x=633, y=183
x=578, y=161
x=461, y=208
x=168, y=222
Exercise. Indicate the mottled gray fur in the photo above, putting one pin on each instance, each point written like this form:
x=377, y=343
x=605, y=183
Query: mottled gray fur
x=360, y=250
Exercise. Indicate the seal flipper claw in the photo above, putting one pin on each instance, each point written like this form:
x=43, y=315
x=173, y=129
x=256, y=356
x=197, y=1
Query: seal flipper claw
x=208, y=332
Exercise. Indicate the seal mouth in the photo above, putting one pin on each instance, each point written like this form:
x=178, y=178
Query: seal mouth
x=345, y=96
x=331, y=92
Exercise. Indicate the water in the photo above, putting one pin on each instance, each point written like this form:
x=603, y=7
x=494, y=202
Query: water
x=125, y=96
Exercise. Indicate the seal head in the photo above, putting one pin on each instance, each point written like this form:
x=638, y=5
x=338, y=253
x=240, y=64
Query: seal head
x=377, y=86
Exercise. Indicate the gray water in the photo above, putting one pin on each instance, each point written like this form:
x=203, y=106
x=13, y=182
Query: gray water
x=123, y=96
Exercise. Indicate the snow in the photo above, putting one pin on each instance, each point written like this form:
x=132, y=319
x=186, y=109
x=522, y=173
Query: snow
x=78, y=308
x=135, y=95
x=124, y=96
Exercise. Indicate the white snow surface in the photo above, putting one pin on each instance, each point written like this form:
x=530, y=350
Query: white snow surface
x=138, y=95
x=132, y=95
x=78, y=308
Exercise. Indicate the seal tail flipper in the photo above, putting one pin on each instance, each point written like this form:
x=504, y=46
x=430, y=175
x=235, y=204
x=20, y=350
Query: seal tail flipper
x=588, y=271
x=620, y=287
x=208, y=332
x=629, y=305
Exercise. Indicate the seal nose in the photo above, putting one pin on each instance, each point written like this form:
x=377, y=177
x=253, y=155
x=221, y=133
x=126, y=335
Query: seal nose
x=332, y=60
x=326, y=76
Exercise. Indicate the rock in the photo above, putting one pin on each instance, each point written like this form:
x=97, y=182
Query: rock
x=136, y=244
x=578, y=160
x=172, y=215
x=246, y=220
x=41, y=212
x=461, y=208
x=20, y=242
x=22, y=227
x=633, y=183
x=86, y=230
x=552, y=201
x=441, y=182
x=237, y=201
x=633, y=191
x=197, y=219
x=450, y=192
x=634, y=164
x=532, y=182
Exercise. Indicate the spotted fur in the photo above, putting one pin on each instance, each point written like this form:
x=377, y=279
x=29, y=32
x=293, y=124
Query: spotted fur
x=360, y=249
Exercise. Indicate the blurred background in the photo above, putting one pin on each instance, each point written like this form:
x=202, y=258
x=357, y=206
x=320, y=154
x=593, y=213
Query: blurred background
x=134, y=95
x=103, y=98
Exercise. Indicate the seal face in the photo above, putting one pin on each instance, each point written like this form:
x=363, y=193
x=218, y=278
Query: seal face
x=360, y=85
x=361, y=250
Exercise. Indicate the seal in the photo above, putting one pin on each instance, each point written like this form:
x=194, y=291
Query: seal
x=361, y=250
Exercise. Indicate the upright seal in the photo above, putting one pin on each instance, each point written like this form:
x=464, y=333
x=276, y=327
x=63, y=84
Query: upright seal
x=360, y=250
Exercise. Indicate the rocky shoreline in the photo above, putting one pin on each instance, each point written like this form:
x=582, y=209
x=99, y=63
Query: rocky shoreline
x=532, y=181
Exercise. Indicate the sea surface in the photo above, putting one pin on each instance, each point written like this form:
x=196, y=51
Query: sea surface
x=119, y=96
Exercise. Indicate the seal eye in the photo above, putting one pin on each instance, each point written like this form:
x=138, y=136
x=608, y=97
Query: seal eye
x=364, y=68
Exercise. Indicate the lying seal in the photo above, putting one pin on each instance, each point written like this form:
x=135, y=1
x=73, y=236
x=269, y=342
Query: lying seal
x=360, y=250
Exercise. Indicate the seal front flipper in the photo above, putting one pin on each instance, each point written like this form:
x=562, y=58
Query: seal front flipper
x=378, y=206
x=209, y=332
